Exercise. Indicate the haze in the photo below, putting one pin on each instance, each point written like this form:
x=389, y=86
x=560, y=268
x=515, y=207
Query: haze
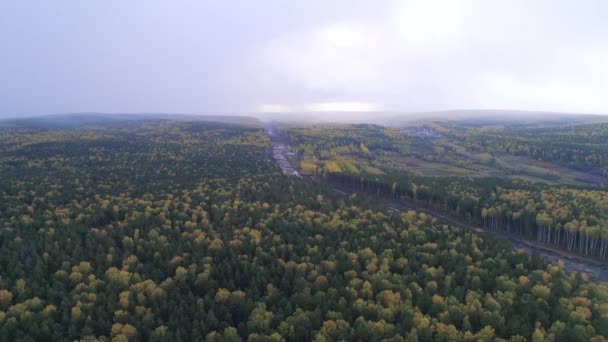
x=287, y=56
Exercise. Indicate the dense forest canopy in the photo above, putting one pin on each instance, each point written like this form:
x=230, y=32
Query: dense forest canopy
x=186, y=231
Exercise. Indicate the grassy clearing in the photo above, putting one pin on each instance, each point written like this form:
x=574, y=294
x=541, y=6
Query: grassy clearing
x=440, y=157
x=332, y=166
x=373, y=170
x=348, y=166
x=308, y=167
x=548, y=172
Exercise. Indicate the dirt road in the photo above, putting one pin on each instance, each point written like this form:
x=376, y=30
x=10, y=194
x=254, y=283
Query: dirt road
x=280, y=149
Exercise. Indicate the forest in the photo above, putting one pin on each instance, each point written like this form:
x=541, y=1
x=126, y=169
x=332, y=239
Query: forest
x=166, y=230
x=542, y=183
x=579, y=146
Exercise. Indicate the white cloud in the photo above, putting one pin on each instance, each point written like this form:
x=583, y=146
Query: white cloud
x=411, y=55
x=442, y=54
x=344, y=36
x=336, y=57
x=342, y=107
x=273, y=108
x=429, y=23
x=546, y=94
x=386, y=59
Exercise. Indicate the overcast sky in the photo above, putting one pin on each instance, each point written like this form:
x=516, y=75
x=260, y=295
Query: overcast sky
x=197, y=56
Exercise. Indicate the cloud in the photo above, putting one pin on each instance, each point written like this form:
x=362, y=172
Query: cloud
x=429, y=24
x=319, y=107
x=227, y=56
x=342, y=107
x=401, y=60
x=434, y=54
x=333, y=57
x=545, y=95
x=273, y=108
